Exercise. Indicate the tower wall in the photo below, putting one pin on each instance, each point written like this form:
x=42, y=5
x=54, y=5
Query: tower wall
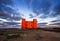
x=34, y=23
x=29, y=24
x=23, y=23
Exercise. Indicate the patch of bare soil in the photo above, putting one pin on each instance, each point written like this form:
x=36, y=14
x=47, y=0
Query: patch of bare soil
x=29, y=35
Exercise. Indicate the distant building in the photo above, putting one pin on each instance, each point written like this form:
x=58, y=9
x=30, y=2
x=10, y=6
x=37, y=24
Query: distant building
x=29, y=24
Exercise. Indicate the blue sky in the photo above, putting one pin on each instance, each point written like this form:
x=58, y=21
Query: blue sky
x=45, y=11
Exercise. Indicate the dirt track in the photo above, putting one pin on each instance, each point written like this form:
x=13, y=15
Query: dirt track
x=31, y=35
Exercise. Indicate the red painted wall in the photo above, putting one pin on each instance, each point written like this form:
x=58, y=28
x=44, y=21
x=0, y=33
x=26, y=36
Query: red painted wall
x=23, y=23
x=29, y=24
x=34, y=23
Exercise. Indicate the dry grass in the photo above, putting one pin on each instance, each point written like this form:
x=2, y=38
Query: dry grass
x=29, y=35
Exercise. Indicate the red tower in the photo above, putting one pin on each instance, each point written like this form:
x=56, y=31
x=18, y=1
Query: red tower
x=23, y=23
x=29, y=24
x=34, y=23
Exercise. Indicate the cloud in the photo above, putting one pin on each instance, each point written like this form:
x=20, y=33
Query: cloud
x=55, y=21
x=57, y=9
x=7, y=11
x=47, y=8
x=9, y=2
x=43, y=10
x=40, y=6
x=31, y=16
x=42, y=24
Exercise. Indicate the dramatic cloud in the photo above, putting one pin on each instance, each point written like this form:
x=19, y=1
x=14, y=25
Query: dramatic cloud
x=7, y=10
x=45, y=11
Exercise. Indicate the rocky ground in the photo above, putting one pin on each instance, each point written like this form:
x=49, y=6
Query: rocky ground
x=28, y=35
